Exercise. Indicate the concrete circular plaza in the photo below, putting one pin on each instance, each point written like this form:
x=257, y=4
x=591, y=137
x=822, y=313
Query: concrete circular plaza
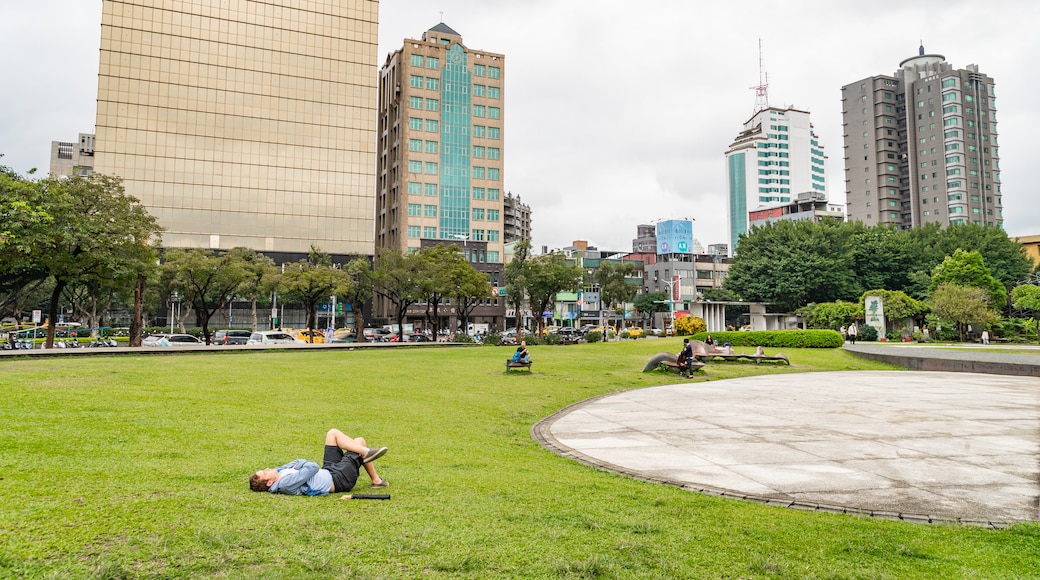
x=918, y=446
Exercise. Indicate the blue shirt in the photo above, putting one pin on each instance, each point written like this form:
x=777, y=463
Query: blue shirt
x=302, y=477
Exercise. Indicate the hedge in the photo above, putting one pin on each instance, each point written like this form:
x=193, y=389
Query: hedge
x=777, y=338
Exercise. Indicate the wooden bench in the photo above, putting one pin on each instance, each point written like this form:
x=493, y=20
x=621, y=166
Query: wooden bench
x=674, y=366
x=668, y=360
x=510, y=365
x=757, y=358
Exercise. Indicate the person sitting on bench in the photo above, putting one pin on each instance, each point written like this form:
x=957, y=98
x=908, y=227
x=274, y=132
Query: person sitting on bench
x=521, y=355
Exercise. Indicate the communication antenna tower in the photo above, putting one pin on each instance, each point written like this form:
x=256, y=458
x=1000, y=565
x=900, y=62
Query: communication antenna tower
x=762, y=90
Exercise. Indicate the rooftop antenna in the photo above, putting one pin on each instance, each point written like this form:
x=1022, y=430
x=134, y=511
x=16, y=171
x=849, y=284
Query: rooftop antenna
x=442, y=17
x=762, y=90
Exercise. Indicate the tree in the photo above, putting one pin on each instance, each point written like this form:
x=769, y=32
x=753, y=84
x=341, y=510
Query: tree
x=261, y=277
x=469, y=289
x=1027, y=297
x=547, y=275
x=397, y=279
x=436, y=266
x=963, y=305
x=831, y=315
x=311, y=281
x=79, y=230
x=358, y=291
x=614, y=287
x=515, y=278
x=965, y=268
x=1004, y=258
x=206, y=280
x=649, y=302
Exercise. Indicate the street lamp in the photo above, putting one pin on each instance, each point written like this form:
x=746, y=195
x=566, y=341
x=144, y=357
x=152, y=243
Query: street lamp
x=465, y=241
x=174, y=300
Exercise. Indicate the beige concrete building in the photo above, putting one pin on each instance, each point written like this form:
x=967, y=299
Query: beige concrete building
x=441, y=155
x=69, y=159
x=241, y=123
x=516, y=219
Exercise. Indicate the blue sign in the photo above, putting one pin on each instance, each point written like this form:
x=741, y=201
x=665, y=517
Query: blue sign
x=675, y=237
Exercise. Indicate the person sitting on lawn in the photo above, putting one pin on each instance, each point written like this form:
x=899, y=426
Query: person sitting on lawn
x=344, y=457
x=521, y=355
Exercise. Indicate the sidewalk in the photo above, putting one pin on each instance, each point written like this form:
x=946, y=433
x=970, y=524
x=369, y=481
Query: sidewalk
x=966, y=358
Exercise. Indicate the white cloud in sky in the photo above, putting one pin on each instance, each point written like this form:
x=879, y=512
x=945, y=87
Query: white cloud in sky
x=616, y=113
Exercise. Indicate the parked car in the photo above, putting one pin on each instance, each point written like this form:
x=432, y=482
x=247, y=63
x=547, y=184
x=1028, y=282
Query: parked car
x=171, y=340
x=226, y=337
x=377, y=335
x=342, y=335
x=309, y=336
x=273, y=337
x=570, y=334
x=634, y=331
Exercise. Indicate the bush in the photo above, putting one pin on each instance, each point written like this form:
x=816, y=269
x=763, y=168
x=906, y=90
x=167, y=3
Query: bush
x=778, y=338
x=625, y=334
x=685, y=325
x=493, y=339
x=552, y=338
x=867, y=333
x=530, y=339
x=594, y=336
x=463, y=337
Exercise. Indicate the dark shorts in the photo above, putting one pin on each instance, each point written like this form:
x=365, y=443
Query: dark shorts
x=344, y=467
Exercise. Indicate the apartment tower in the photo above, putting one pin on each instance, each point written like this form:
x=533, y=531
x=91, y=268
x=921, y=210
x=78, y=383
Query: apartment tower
x=921, y=146
x=242, y=123
x=774, y=158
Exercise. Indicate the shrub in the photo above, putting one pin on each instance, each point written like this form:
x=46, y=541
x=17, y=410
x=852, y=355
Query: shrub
x=867, y=333
x=778, y=338
x=463, y=337
x=493, y=339
x=594, y=336
x=552, y=338
x=625, y=334
x=531, y=339
x=686, y=325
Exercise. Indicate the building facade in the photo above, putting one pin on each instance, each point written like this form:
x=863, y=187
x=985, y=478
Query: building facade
x=72, y=159
x=775, y=156
x=808, y=205
x=243, y=123
x=516, y=219
x=921, y=146
x=441, y=125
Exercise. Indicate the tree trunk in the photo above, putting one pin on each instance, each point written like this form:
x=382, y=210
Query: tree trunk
x=254, y=315
x=137, y=323
x=52, y=312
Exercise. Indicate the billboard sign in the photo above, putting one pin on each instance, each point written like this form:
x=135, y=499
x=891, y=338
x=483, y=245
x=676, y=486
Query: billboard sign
x=675, y=237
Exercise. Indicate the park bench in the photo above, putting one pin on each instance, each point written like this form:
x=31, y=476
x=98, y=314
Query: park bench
x=510, y=365
x=668, y=360
x=706, y=353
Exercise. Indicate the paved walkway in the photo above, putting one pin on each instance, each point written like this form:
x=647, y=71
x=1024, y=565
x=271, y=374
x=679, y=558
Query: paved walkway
x=917, y=446
x=1016, y=359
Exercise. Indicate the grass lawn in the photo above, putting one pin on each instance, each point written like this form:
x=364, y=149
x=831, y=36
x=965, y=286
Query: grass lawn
x=136, y=466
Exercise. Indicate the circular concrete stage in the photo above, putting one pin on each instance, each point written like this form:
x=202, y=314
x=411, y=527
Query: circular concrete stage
x=918, y=446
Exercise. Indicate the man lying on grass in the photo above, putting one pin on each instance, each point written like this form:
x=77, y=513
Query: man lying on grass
x=344, y=457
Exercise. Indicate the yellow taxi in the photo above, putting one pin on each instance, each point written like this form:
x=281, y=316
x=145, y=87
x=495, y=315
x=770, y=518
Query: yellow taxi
x=634, y=331
x=309, y=336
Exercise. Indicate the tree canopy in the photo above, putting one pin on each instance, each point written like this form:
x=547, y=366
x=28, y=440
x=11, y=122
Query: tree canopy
x=968, y=269
x=312, y=281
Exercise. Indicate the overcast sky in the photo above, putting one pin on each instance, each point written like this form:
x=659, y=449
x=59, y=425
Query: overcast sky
x=616, y=113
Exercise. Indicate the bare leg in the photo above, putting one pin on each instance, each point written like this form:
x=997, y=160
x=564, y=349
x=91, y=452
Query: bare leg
x=371, y=469
x=339, y=439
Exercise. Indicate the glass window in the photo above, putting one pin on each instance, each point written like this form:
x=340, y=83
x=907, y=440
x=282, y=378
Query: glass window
x=414, y=209
x=430, y=211
x=494, y=153
x=430, y=189
x=493, y=173
x=432, y=104
x=494, y=133
x=414, y=188
x=478, y=235
x=478, y=151
x=478, y=130
x=479, y=70
x=414, y=166
x=478, y=173
x=415, y=81
x=479, y=90
x=431, y=147
x=479, y=111
x=417, y=60
x=431, y=168
x=433, y=62
x=492, y=256
x=496, y=113
x=492, y=235
x=415, y=123
x=432, y=125
x=494, y=92
x=415, y=102
x=415, y=144
x=430, y=232
x=494, y=72
x=413, y=232
x=432, y=83
x=478, y=193
x=478, y=214
x=492, y=215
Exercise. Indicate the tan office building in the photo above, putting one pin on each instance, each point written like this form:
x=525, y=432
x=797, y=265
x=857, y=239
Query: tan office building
x=241, y=123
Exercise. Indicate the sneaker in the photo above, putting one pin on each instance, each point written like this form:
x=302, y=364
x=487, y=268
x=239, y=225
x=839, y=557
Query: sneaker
x=374, y=454
x=383, y=483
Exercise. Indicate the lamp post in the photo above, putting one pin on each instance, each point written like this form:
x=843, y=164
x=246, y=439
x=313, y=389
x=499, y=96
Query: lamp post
x=174, y=301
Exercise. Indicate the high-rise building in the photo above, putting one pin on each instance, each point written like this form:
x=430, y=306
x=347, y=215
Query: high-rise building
x=70, y=159
x=441, y=125
x=516, y=219
x=242, y=123
x=440, y=149
x=774, y=158
x=921, y=146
